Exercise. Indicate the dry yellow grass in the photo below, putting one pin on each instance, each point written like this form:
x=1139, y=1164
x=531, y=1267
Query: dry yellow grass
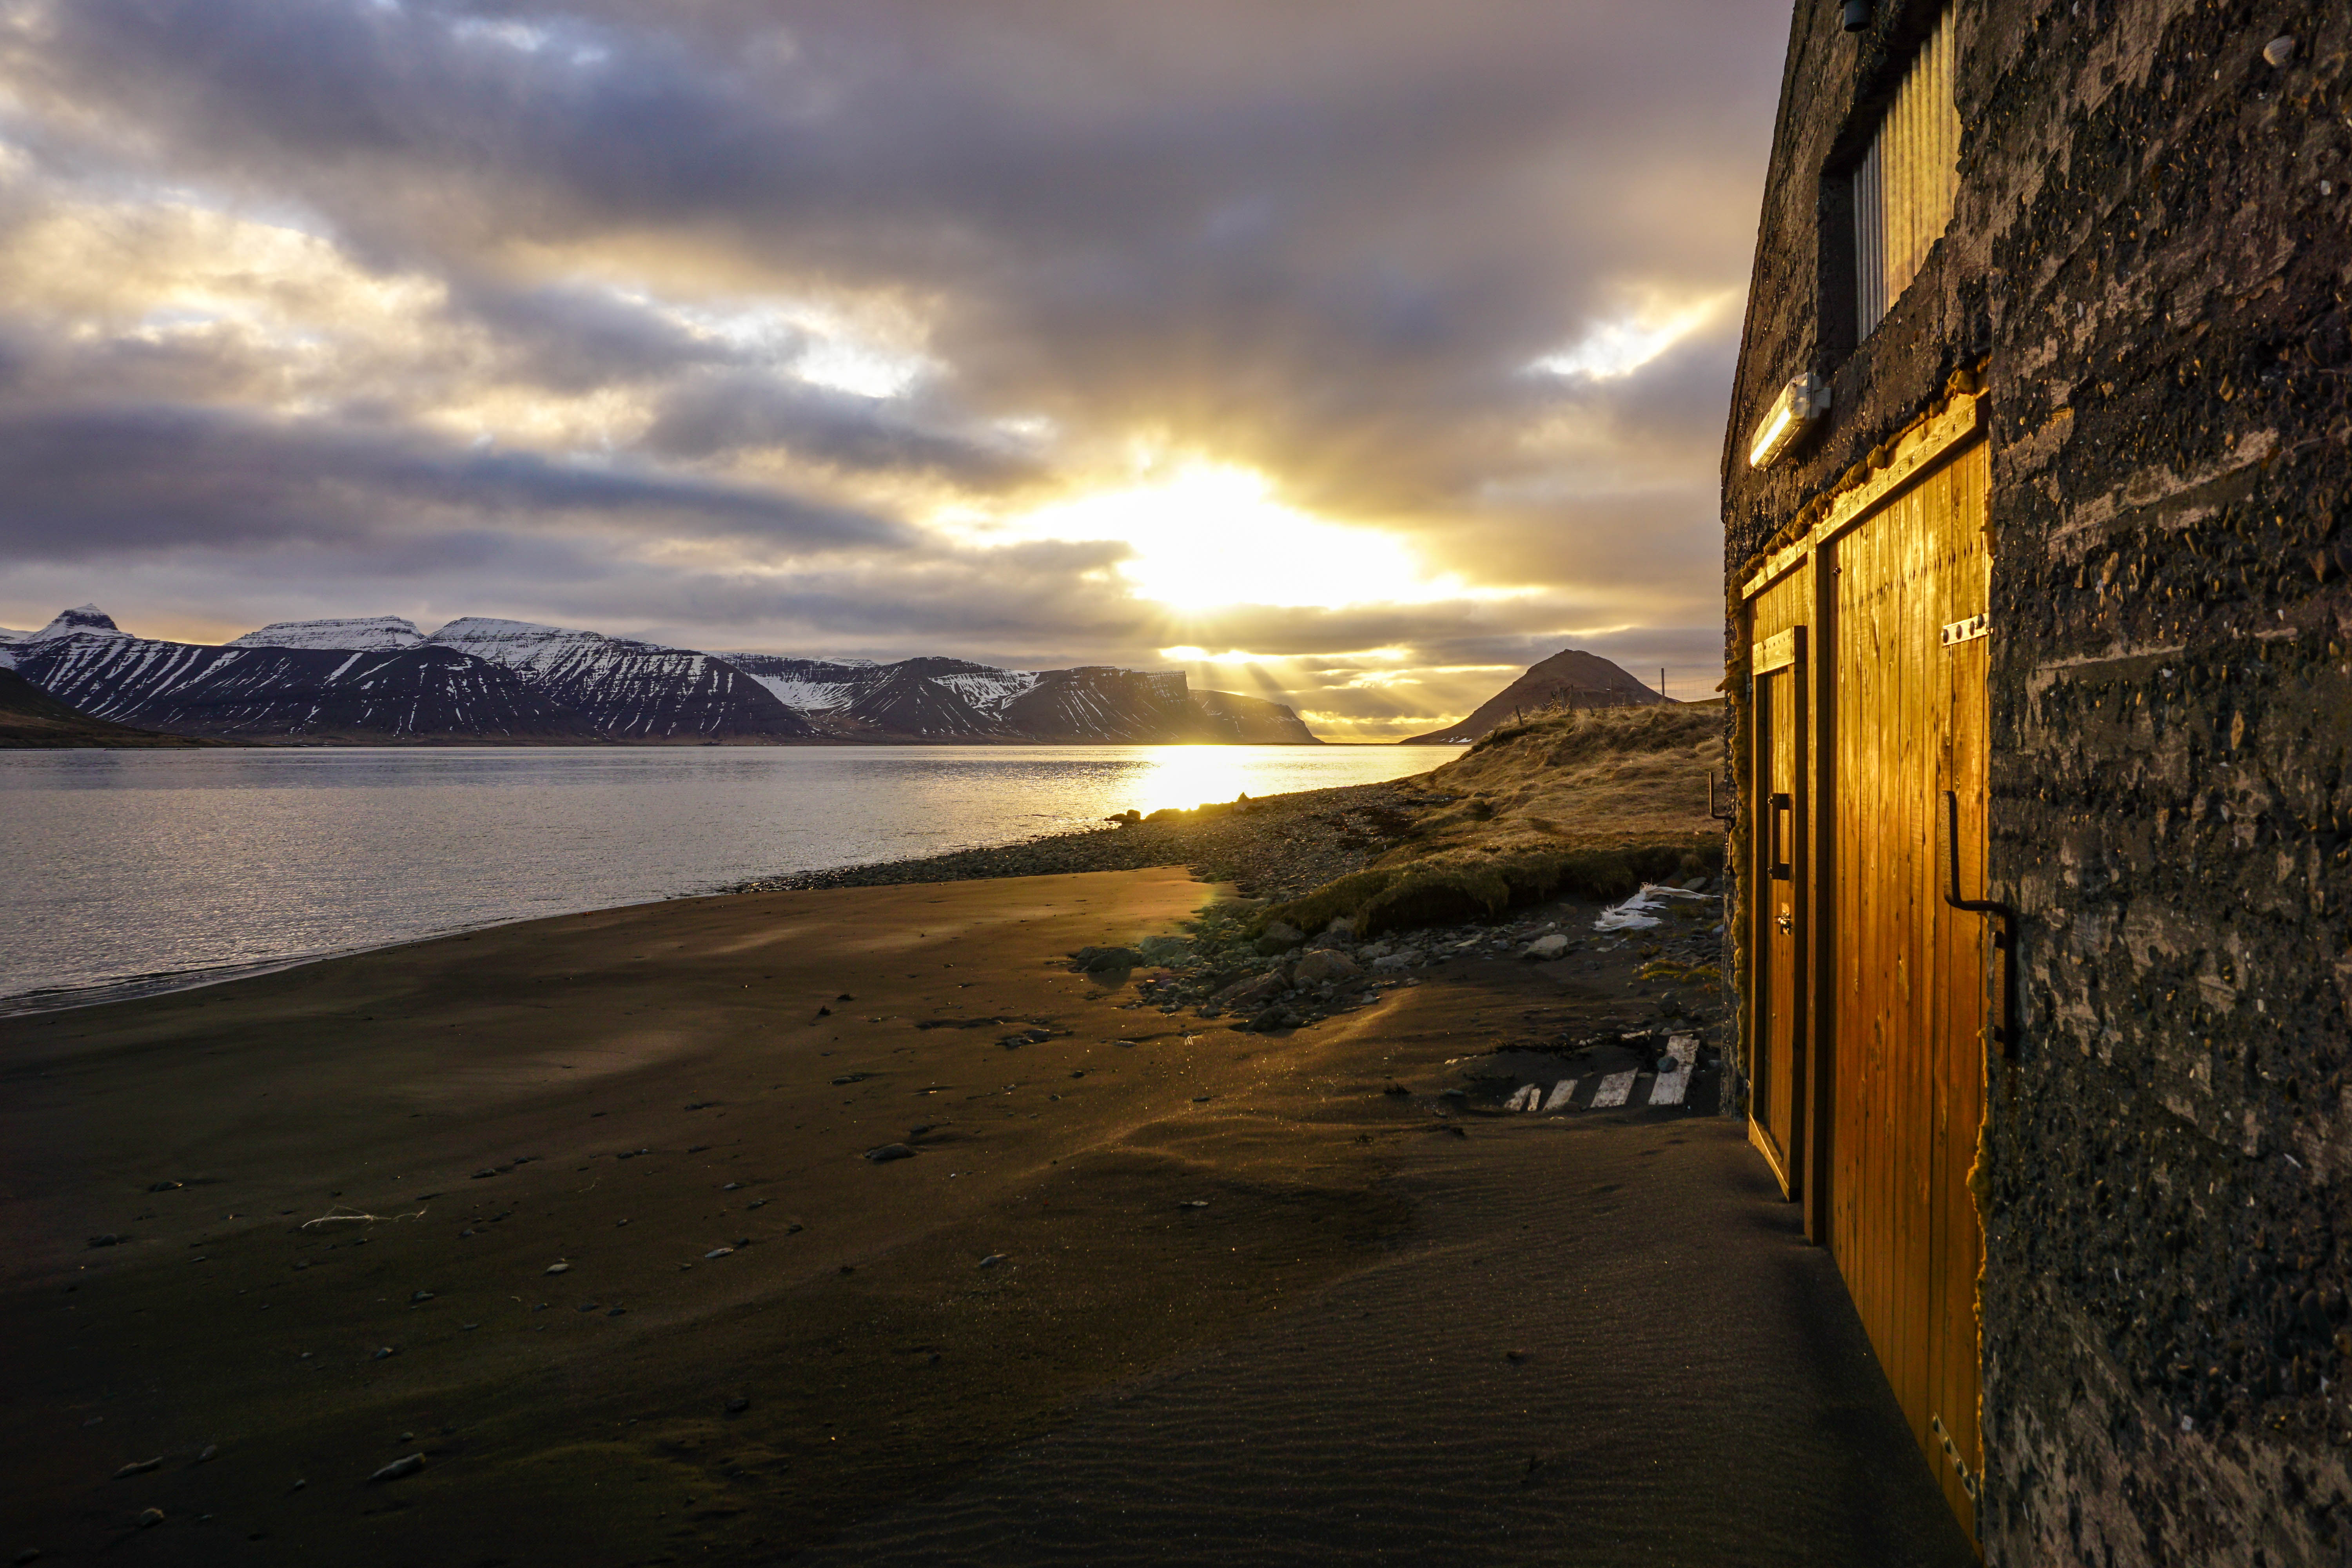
x=1586, y=802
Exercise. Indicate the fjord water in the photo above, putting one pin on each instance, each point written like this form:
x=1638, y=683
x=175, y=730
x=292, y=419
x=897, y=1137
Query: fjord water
x=129, y=870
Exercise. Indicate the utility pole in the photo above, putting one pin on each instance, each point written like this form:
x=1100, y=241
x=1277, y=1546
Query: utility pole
x=1661, y=683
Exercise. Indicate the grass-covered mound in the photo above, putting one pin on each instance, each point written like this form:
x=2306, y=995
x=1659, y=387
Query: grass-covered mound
x=1588, y=805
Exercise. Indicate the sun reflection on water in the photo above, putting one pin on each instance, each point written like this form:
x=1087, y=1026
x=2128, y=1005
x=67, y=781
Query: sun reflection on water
x=1187, y=776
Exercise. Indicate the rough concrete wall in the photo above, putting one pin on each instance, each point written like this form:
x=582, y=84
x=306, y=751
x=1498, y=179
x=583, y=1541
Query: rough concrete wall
x=2152, y=253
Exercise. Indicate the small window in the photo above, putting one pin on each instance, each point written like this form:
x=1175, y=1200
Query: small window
x=1903, y=186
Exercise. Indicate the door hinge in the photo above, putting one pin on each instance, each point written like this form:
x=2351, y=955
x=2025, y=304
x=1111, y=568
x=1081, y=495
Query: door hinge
x=1952, y=1455
x=1730, y=810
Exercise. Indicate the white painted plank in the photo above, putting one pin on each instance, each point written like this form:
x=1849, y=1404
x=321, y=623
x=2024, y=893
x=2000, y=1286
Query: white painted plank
x=1675, y=1072
x=1561, y=1093
x=1614, y=1090
x=1523, y=1098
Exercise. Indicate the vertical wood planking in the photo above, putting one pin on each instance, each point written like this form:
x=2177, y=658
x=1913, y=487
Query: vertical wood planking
x=1889, y=995
x=1776, y=1008
x=1908, y=1085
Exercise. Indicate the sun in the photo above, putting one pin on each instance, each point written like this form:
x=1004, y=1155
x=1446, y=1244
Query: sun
x=1210, y=535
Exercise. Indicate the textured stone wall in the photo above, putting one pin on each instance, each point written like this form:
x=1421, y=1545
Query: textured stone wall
x=2150, y=260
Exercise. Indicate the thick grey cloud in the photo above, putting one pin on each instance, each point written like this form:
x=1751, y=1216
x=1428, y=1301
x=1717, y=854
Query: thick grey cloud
x=86, y=484
x=765, y=310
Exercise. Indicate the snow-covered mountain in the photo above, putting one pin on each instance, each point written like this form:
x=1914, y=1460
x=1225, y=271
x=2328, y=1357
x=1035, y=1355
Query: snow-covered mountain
x=953, y=698
x=363, y=634
x=379, y=678
x=629, y=691
x=81, y=618
x=279, y=693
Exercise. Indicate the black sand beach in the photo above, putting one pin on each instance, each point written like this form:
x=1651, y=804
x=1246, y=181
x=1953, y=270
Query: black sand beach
x=1207, y=1246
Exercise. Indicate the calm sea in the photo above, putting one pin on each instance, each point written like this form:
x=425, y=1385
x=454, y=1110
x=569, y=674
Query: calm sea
x=129, y=871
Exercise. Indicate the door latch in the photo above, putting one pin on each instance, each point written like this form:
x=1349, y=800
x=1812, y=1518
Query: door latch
x=2002, y=1028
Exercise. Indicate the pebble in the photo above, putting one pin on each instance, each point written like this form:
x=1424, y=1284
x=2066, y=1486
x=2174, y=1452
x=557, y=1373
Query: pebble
x=559, y=1268
x=719, y=1252
x=416, y=1296
x=737, y=1406
x=992, y=1260
x=408, y=1465
x=139, y=1468
x=889, y=1152
x=2279, y=51
x=149, y=1518
x=384, y=1351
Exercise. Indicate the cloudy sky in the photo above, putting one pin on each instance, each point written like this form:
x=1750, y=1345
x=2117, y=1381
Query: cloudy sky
x=1356, y=351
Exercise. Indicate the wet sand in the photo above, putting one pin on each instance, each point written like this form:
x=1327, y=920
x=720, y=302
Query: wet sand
x=1106, y=1209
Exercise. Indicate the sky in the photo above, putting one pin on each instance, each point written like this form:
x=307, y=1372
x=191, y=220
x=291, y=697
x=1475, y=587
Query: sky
x=1354, y=352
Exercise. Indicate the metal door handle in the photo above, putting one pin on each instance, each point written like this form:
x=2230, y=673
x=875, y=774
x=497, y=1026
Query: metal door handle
x=1781, y=806
x=2004, y=1029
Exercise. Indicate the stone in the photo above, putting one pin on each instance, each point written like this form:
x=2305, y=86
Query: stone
x=1393, y=960
x=1546, y=947
x=1341, y=929
x=1279, y=937
x=889, y=1152
x=558, y=1268
x=719, y=1252
x=408, y=1465
x=416, y=1296
x=992, y=1260
x=1324, y=966
x=737, y=1406
x=141, y=1468
x=149, y=1518
x=1249, y=992
x=1105, y=960
x=1166, y=949
x=2280, y=50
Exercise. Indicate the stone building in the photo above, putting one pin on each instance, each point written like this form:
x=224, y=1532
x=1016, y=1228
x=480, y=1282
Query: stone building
x=2035, y=494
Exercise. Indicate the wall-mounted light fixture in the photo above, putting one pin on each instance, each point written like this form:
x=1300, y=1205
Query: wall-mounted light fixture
x=1801, y=402
x=1857, y=15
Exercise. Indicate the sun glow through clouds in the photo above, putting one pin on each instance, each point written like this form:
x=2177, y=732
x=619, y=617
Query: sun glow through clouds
x=1623, y=346
x=1213, y=534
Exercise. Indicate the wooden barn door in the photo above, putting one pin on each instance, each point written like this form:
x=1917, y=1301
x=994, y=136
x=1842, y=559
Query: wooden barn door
x=1779, y=876
x=1905, y=585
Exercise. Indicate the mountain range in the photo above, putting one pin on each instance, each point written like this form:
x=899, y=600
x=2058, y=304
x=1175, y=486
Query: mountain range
x=379, y=678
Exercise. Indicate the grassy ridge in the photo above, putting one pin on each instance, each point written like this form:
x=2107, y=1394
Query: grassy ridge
x=1588, y=805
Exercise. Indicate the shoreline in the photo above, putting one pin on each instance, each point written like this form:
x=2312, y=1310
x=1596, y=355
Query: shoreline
x=1278, y=846
x=733, y=1221
x=1267, y=851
